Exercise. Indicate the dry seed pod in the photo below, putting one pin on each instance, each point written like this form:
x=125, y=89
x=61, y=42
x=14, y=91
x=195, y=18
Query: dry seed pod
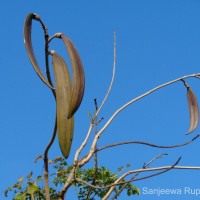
x=63, y=94
x=29, y=47
x=194, y=110
x=78, y=83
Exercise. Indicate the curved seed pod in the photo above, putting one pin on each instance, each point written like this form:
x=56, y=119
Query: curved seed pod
x=63, y=95
x=78, y=84
x=194, y=110
x=29, y=47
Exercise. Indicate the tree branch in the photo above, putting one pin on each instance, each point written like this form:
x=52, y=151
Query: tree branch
x=46, y=37
x=142, y=96
x=148, y=144
x=95, y=154
x=113, y=76
x=82, y=145
x=97, y=112
x=92, y=149
x=68, y=183
x=46, y=167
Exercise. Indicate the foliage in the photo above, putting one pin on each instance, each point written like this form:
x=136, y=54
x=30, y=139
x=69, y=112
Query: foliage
x=29, y=188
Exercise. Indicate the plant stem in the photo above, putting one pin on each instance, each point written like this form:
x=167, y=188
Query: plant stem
x=46, y=167
x=46, y=171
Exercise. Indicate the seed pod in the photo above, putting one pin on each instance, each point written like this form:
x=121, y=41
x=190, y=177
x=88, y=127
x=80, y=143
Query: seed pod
x=29, y=47
x=194, y=110
x=78, y=84
x=63, y=94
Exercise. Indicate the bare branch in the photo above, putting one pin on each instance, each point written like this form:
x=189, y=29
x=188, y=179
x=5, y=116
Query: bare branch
x=92, y=149
x=164, y=170
x=91, y=125
x=95, y=154
x=148, y=144
x=96, y=105
x=46, y=168
x=145, y=177
x=142, y=96
x=153, y=159
x=82, y=145
x=57, y=35
x=165, y=167
x=113, y=76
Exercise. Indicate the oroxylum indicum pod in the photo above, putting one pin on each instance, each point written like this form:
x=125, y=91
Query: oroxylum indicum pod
x=69, y=93
x=193, y=108
x=29, y=46
x=78, y=81
x=63, y=94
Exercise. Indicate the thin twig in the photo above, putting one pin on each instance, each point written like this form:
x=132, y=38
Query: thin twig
x=154, y=159
x=96, y=105
x=82, y=145
x=113, y=76
x=109, y=89
x=144, y=166
x=57, y=35
x=95, y=154
x=148, y=144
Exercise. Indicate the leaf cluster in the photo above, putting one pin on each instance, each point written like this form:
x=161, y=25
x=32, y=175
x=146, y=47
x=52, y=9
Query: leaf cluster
x=84, y=183
x=103, y=177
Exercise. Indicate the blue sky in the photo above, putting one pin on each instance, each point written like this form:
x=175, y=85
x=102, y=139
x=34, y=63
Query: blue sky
x=157, y=41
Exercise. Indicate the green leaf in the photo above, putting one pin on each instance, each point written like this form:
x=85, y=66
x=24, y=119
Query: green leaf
x=20, y=196
x=29, y=47
x=31, y=190
x=63, y=94
x=78, y=84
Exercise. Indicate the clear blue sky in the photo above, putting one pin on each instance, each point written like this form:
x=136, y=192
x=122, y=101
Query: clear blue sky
x=157, y=41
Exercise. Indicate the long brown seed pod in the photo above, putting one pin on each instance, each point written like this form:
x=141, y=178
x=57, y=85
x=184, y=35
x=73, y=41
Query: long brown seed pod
x=63, y=95
x=78, y=83
x=194, y=110
x=29, y=47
